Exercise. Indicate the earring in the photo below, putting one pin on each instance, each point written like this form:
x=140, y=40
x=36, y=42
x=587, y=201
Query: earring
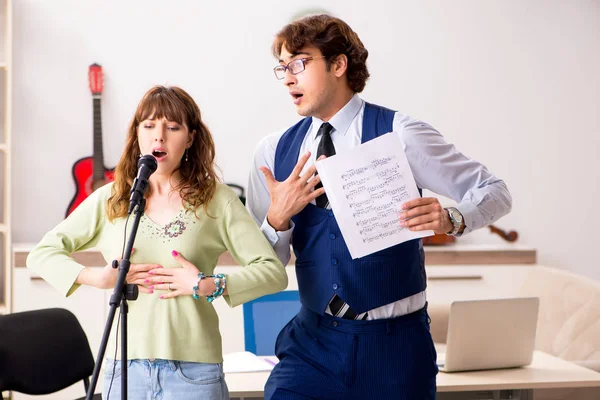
x=186, y=155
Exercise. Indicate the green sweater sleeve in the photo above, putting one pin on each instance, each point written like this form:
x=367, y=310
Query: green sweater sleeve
x=263, y=272
x=51, y=258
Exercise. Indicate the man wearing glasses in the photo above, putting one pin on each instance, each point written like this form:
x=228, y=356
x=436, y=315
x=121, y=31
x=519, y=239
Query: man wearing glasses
x=363, y=329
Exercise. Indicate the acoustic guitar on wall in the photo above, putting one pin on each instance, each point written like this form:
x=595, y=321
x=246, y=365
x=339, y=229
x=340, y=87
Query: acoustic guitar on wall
x=89, y=173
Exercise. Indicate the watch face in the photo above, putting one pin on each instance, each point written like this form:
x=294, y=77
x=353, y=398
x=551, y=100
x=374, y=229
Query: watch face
x=456, y=215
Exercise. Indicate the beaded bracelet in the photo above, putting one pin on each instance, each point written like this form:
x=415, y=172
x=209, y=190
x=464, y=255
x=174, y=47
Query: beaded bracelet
x=220, y=283
x=195, y=288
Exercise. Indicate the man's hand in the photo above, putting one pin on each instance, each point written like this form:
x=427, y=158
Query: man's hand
x=425, y=214
x=289, y=197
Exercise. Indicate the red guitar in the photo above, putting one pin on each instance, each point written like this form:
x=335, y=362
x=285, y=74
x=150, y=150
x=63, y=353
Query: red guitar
x=89, y=173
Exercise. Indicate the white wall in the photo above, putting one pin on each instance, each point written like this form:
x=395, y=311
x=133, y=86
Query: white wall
x=513, y=83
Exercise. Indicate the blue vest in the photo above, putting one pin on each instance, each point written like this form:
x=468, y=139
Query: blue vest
x=324, y=266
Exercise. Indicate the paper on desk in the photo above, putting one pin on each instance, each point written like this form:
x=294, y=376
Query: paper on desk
x=245, y=362
x=366, y=186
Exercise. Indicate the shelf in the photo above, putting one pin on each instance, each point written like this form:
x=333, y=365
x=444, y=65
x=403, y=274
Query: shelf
x=6, y=96
x=475, y=255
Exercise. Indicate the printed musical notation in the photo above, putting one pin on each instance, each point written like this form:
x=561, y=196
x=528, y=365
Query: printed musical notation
x=366, y=187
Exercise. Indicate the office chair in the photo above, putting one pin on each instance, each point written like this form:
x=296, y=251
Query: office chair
x=43, y=351
x=265, y=317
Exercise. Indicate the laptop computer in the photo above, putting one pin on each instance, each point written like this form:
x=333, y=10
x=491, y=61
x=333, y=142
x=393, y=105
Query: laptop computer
x=490, y=334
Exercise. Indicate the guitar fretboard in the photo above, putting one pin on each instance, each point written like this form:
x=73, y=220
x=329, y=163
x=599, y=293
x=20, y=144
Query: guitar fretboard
x=98, y=157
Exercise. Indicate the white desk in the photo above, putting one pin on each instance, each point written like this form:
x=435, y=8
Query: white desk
x=545, y=372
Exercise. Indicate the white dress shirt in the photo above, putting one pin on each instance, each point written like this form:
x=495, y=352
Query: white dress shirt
x=481, y=197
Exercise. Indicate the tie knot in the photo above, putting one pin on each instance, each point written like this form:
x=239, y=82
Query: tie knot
x=325, y=129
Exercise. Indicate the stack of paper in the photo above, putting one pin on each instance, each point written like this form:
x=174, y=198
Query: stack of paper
x=247, y=362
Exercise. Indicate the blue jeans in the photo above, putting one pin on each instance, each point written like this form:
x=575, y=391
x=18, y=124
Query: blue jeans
x=165, y=380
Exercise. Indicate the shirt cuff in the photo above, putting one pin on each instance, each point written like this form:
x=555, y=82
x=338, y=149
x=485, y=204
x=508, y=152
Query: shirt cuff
x=269, y=232
x=274, y=236
x=469, y=212
x=280, y=240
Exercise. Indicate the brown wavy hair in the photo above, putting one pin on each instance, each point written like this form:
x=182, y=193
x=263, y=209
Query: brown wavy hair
x=199, y=179
x=333, y=37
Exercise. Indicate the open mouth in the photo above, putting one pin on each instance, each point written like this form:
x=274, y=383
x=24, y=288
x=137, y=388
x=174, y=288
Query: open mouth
x=296, y=97
x=158, y=153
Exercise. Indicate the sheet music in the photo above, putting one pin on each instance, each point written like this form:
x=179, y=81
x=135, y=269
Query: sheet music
x=366, y=187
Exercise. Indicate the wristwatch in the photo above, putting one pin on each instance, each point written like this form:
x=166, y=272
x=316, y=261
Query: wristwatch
x=457, y=220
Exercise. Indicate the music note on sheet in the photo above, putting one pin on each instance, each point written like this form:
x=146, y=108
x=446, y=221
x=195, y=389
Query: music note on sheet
x=366, y=187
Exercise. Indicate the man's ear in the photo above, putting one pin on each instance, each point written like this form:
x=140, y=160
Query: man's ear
x=339, y=65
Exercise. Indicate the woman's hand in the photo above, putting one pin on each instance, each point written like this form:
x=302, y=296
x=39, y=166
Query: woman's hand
x=179, y=281
x=107, y=277
x=137, y=275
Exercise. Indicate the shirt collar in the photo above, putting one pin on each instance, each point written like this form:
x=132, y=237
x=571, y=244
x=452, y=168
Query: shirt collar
x=342, y=119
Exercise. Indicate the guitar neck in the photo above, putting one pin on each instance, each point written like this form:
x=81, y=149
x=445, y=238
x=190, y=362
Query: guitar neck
x=98, y=157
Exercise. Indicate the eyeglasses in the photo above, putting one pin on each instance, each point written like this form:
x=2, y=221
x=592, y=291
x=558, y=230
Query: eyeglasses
x=295, y=67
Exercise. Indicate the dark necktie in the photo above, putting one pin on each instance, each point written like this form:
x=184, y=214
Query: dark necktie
x=337, y=306
x=325, y=148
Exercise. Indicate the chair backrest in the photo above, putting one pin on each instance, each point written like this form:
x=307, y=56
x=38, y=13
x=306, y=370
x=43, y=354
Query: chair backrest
x=569, y=319
x=265, y=317
x=43, y=351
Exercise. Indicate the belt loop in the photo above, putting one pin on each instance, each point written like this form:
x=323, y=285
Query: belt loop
x=388, y=327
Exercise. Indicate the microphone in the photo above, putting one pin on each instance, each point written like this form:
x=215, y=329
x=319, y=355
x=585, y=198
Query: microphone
x=146, y=166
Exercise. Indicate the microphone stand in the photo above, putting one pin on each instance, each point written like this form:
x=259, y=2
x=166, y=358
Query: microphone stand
x=122, y=292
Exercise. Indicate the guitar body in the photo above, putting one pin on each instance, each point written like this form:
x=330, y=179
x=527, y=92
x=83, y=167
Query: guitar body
x=83, y=172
